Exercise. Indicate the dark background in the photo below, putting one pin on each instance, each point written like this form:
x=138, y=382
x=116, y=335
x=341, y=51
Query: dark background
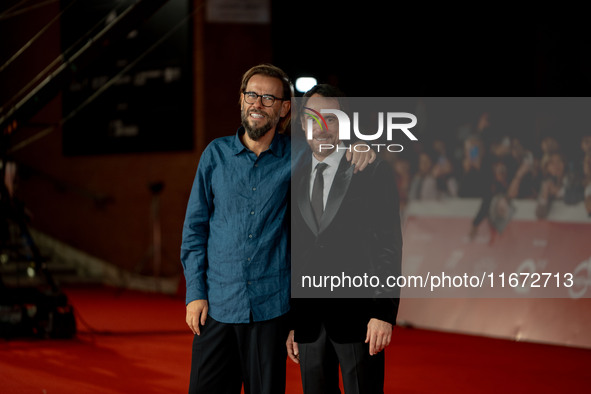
x=382, y=49
x=95, y=193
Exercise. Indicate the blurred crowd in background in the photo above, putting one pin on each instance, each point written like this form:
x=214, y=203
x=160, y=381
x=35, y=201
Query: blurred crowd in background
x=497, y=168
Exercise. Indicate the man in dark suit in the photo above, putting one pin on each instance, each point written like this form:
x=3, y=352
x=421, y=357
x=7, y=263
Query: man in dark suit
x=341, y=224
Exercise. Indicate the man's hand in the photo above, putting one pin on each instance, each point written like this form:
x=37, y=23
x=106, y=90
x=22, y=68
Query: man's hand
x=292, y=348
x=360, y=159
x=196, y=314
x=379, y=334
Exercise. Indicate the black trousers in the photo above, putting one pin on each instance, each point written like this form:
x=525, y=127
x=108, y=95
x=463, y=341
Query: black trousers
x=227, y=355
x=319, y=366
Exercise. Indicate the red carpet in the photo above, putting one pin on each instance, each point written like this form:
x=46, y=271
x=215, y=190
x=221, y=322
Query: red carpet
x=132, y=342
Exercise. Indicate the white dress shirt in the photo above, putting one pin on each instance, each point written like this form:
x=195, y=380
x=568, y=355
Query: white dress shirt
x=333, y=160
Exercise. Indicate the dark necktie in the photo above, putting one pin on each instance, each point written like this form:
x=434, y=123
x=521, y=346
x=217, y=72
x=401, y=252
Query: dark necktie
x=317, y=200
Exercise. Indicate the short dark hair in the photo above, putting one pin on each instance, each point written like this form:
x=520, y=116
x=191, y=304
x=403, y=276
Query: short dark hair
x=326, y=90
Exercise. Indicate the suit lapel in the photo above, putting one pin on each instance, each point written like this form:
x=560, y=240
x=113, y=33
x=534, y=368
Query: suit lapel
x=304, y=205
x=338, y=190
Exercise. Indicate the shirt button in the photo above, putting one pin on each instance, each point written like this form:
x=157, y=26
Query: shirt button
x=252, y=212
x=248, y=259
x=256, y=165
x=254, y=188
x=249, y=235
x=249, y=282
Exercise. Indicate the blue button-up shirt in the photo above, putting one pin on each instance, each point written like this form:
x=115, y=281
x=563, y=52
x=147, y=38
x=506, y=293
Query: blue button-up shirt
x=235, y=237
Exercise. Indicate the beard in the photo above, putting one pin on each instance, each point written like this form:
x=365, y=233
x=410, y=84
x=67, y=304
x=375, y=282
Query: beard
x=254, y=133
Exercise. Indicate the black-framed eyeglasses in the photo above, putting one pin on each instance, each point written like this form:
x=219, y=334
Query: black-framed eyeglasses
x=266, y=99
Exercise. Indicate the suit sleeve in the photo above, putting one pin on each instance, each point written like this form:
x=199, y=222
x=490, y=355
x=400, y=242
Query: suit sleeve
x=386, y=236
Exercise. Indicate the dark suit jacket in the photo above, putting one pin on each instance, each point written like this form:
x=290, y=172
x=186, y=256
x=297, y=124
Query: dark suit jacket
x=359, y=233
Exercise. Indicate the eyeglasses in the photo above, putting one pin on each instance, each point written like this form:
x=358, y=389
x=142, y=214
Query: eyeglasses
x=266, y=99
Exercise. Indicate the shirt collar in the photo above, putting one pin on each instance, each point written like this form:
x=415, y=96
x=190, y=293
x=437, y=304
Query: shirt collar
x=277, y=147
x=332, y=160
